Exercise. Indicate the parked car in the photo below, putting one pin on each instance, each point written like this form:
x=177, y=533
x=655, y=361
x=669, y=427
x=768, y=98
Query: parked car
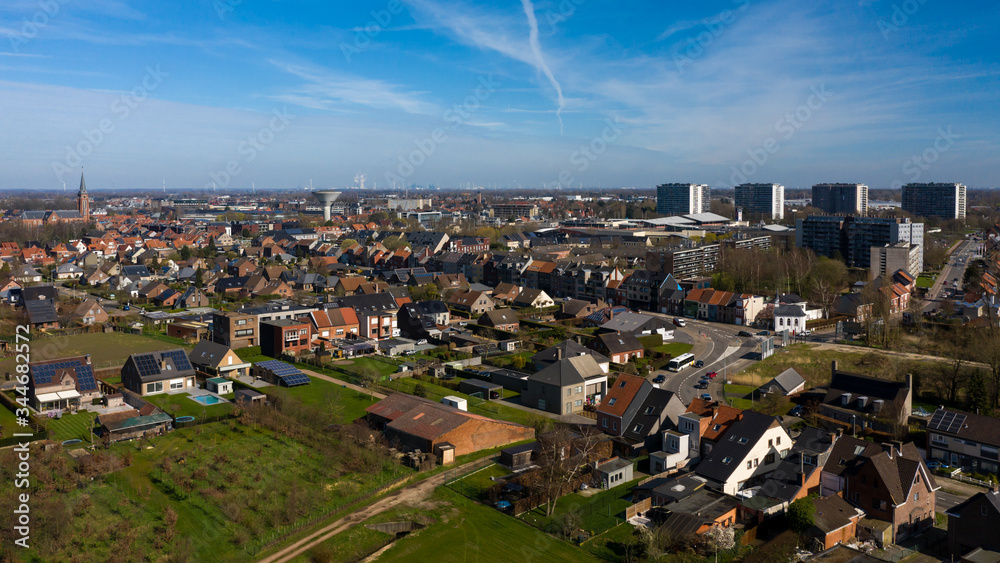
x=711, y=374
x=679, y=322
x=796, y=411
x=421, y=342
x=806, y=332
x=744, y=333
x=699, y=364
x=935, y=465
x=764, y=333
x=659, y=378
x=701, y=385
x=706, y=397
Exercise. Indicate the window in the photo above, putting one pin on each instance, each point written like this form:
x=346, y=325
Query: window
x=716, y=427
x=743, y=440
x=939, y=439
x=637, y=428
x=727, y=460
x=614, y=426
x=770, y=443
x=154, y=387
x=769, y=458
x=541, y=404
x=569, y=391
x=778, y=440
x=649, y=410
x=982, y=510
x=579, y=389
x=604, y=422
x=612, y=401
x=756, y=462
x=622, y=384
x=749, y=464
x=176, y=385
x=916, y=497
x=578, y=403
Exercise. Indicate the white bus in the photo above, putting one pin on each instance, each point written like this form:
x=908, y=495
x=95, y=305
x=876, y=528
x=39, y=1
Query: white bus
x=680, y=362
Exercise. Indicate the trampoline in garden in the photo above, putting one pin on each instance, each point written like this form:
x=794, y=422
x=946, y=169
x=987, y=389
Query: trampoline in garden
x=503, y=505
x=72, y=442
x=185, y=418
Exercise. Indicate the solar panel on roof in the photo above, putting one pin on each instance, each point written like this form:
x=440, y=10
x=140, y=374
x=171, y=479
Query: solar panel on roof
x=935, y=423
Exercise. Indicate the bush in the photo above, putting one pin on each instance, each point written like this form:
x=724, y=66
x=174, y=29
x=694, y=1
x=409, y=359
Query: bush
x=420, y=390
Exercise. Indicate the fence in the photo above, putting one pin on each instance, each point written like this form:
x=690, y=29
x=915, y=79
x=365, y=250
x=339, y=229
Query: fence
x=637, y=508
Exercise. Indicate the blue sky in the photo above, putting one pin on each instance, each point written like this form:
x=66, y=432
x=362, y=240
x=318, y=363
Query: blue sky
x=563, y=92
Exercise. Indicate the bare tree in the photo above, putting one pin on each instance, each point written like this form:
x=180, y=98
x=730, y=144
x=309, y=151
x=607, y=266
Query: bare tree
x=562, y=457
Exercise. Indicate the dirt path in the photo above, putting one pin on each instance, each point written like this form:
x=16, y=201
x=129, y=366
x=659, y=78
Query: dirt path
x=409, y=494
x=357, y=388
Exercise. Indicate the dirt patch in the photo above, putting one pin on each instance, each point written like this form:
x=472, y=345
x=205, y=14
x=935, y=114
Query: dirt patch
x=343, y=362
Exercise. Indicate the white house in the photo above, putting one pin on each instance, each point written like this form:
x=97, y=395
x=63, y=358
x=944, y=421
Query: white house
x=791, y=313
x=746, y=453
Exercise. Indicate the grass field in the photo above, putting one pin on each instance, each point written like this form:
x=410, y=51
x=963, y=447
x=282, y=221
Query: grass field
x=812, y=364
x=181, y=404
x=739, y=396
x=105, y=349
x=925, y=282
x=597, y=513
x=609, y=546
x=71, y=426
x=347, y=404
x=8, y=422
x=476, y=484
x=468, y=531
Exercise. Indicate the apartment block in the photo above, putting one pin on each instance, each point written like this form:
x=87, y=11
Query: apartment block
x=515, y=209
x=685, y=263
x=852, y=238
x=236, y=330
x=683, y=199
x=891, y=258
x=935, y=200
x=841, y=199
x=761, y=199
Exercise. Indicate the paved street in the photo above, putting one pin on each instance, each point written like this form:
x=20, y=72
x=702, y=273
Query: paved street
x=955, y=268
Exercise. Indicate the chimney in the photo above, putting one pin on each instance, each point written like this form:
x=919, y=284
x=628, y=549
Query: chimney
x=715, y=412
x=909, y=380
x=833, y=367
x=558, y=353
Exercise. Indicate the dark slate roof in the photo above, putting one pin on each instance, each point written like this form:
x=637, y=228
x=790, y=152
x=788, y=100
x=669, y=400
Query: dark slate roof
x=861, y=386
x=786, y=380
x=833, y=513
x=631, y=322
x=848, y=454
x=41, y=311
x=501, y=317
x=436, y=307
x=148, y=365
x=570, y=348
x=991, y=498
x=208, y=353
x=371, y=303
x=618, y=343
x=736, y=443
x=568, y=371
x=976, y=428
x=789, y=311
x=134, y=271
x=648, y=415
x=40, y=292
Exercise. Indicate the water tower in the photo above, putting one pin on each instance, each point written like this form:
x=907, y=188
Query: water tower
x=326, y=198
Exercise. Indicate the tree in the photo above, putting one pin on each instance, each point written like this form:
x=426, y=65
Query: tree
x=721, y=538
x=347, y=243
x=829, y=278
x=368, y=376
x=562, y=457
x=977, y=396
x=246, y=233
x=185, y=252
x=802, y=515
x=199, y=278
x=518, y=362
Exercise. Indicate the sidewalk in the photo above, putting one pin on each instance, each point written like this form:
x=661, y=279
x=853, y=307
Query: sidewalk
x=357, y=388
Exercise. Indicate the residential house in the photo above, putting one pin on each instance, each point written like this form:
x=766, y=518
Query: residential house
x=376, y=314
x=151, y=373
x=966, y=440
x=786, y=383
x=423, y=320
x=192, y=297
x=90, y=312
x=611, y=417
x=65, y=383
x=639, y=324
x=235, y=329
x=753, y=446
x=473, y=302
x=68, y=271
x=285, y=337
x=334, y=323
x=42, y=313
x=864, y=402
x=566, y=385
x=568, y=349
x=619, y=346
x=579, y=308
x=888, y=481
x=835, y=521
x=166, y=298
x=152, y=289
x=419, y=424
x=505, y=293
x=501, y=319
x=533, y=298
x=974, y=524
x=10, y=290
x=217, y=359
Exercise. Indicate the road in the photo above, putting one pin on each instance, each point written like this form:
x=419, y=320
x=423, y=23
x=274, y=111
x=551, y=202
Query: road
x=955, y=268
x=945, y=501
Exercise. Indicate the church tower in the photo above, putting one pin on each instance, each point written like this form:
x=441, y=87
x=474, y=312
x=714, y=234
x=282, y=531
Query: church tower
x=83, y=200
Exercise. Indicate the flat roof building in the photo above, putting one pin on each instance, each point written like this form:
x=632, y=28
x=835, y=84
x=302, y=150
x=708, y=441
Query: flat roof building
x=935, y=200
x=683, y=199
x=761, y=199
x=841, y=199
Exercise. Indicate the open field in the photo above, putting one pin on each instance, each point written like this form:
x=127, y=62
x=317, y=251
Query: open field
x=213, y=492
x=476, y=484
x=814, y=365
x=8, y=422
x=468, y=531
x=493, y=409
x=346, y=405
x=106, y=349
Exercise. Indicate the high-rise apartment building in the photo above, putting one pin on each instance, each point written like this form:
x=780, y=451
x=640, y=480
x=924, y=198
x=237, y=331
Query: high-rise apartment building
x=762, y=199
x=841, y=199
x=683, y=199
x=889, y=259
x=935, y=200
x=853, y=237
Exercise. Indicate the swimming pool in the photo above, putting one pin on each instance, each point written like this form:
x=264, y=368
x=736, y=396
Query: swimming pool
x=208, y=399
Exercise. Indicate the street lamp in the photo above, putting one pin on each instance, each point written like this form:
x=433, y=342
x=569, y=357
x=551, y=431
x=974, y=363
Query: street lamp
x=854, y=432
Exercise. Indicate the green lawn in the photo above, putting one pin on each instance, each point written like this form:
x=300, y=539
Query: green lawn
x=181, y=404
x=476, y=484
x=383, y=368
x=468, y=531
x=609, y=546
x=597, y=513
x=925, y=282
x=8, y=421
x=105, y=349
x=71, y=426
x=674, y=349
x=348, y=404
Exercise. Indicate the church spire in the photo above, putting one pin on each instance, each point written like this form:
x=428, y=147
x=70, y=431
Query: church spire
x=83, y=185
x=83, y=200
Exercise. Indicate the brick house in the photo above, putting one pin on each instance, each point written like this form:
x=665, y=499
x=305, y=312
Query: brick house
x=974, y=524
x=502, y=319
x=376, y=314
x=90, y=312
x=285, y=336
x=836, y=521
x=334, y=324
x=619, y=346
x=473, y=302
x=152, y=373
x=236, y=330
x=966, y=440
x=611, y=411
x=890, y=482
